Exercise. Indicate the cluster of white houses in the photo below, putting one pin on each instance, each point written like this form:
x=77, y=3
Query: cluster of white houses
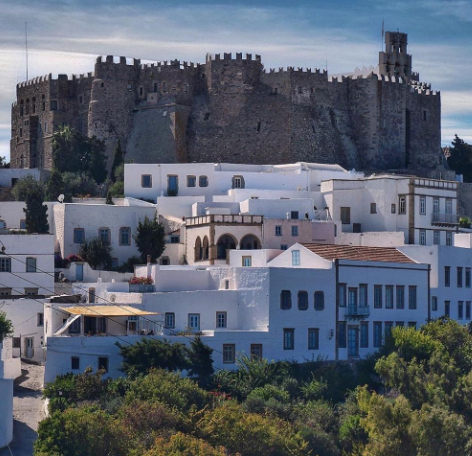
x=284, y=262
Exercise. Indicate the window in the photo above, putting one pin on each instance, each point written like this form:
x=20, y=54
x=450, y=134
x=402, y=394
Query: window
x=460, y=310
x=377, y=334
x=75, y=363
x=74, y=328
x=373, y=208
x=91, y=295
x=226, y=284
x=447, y=308
x=319, y=300
x=172, y=185
x=289, y=339
x=278, y=230
x=393, y=208
x=422, y=205
x=191, y=181
x=300, y=90
x=125, y=236
x=448, y=206
x=346, y=215
x=103, y=363
x=377, y=296
x=294, y=215
x=53, y=105
x=238, y=182
x=459, y=277
x=40, y=319
x=221, y=319
x=352, y=300
x=389, y=296
x=302, y=300
x=357, y=228
x=283, y=246
x=402, y=205
x=435, y=205
x=342, y=294
x=5, y=265
x=295, y=257
x=294, y=230
x=203, y=181
x=169, y=320
x=23, y=224
x=79, y=235
x=313, y=339
x=448, y=238
x=104, y=235
x=425, y=116
x=247, y=261
x=412, y=324
x=467, y=310
x=364, y=334
x=146, y=181
x=16, y=342
x=388, y=328
x=412, y=297
x=422, y=237
x=194, y=322
x=31, y=291
x=31, y=264
x=436, y=237
x=5, y=291
x=467, y=277
x=447, y=276
x=400, y=323
x=363, y=295
x=175, y=239
x=285, y=299
x=434, y=303
x=256, y=351
x=342, y=334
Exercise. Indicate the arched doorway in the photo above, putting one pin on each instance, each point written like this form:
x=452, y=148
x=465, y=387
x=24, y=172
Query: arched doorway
x=198, y=249
x=250, y=242
x=205, y=248
x=225, y=242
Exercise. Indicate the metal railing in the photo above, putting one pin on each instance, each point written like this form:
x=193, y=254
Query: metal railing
x=357, y=311
x=452, y=219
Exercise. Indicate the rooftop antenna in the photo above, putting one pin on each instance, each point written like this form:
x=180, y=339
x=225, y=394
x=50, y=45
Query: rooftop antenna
x=383, y=34
x=26, y=46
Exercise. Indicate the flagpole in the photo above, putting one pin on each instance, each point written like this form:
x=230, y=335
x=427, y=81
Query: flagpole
x=26, y=47
x=383, y=34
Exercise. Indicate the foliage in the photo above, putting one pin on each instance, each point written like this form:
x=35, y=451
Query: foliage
x=460, y=159
x=109, y=199
x=118, y=162
x=464, y=222
x=25, y=186
x=183, y=445
x=78, y=185
x=73, y=257
x=117, y=190
x=76, y=153
x=36, y=212
x=128, y=266
x=6, y=326
x=149, y=239
x=200, y=361
x=97, y=253
x=55, y=186
x=141, y=281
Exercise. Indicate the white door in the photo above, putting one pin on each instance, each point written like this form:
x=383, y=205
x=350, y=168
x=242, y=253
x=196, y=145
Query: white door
x=29, y=345
x=194, y=322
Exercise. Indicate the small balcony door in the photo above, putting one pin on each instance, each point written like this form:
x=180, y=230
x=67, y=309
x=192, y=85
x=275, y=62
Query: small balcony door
x=29, y=347
x=172, y=185
x=194, y=322
x=79, y=272
x=352, y=301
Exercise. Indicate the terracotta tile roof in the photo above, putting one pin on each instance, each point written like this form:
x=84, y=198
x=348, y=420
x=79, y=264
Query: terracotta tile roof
x=358, y=253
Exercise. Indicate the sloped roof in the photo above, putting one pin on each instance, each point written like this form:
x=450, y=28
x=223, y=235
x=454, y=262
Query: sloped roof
x=358, y=253
x=105, y=311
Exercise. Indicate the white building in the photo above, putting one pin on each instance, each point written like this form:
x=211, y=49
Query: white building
x=9, y=176
x=327, y=300
x=6, y=395
x=425, y=210
x=116, y=224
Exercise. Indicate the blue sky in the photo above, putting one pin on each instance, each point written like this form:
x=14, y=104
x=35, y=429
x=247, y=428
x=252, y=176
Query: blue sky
x=65, y=36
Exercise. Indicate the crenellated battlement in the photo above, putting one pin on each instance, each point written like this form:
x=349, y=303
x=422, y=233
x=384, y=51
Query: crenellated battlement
x=61, y=77
x=118, y=60
x=171, y=64
x=291, y=69
x=228, y=56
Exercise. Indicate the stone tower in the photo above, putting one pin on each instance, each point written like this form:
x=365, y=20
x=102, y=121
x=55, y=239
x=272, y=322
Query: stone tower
x=395, y=60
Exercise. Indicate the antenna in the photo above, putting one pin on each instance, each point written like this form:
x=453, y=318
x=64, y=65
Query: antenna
x=26, y=46
x=383, y=34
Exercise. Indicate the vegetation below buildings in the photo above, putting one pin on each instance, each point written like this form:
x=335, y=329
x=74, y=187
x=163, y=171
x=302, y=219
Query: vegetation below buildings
x=6, y=327
x=460, y=158
x=413, y=398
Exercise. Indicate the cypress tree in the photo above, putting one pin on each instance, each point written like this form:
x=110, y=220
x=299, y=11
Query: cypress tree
x=36, y=212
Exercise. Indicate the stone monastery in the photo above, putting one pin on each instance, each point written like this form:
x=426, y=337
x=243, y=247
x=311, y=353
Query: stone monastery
x=231, y=109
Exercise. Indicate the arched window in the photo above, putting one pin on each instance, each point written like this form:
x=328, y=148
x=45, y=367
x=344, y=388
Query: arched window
x=205, y=248
x=198, y=249
x=225, y=243
x=250, y=242
x=22, y=161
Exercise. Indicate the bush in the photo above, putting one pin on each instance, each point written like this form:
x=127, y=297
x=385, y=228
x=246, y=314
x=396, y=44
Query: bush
x=97, y=253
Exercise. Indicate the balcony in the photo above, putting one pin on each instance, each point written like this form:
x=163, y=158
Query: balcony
x=440, y=219
x=357, y=312
x=226, y=218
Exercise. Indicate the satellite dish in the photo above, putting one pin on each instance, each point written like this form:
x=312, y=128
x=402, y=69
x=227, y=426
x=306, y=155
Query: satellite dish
x=113, y=298
x=60, y=198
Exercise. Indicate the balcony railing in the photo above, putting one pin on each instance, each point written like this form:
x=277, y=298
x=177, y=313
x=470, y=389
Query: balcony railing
x=358, y=312
x=224, y=218
x=445, y=219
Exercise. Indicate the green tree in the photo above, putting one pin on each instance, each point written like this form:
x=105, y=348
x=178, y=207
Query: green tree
x=97, y=253
x=118, y=162
x=183, y=445
x=149, y=239
x=36, y=212
x=200, y=361
x=460, y=159
x=6, y=327
x=79, y=185
x=24, y=186
x=117, y=190
x=54, y=186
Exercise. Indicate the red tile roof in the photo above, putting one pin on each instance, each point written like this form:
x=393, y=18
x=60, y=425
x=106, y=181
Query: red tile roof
x=358, y=253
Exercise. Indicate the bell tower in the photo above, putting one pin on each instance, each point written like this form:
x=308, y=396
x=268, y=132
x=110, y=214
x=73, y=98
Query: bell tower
x=395, y=60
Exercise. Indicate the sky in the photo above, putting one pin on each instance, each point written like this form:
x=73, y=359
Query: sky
x=66, y=36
